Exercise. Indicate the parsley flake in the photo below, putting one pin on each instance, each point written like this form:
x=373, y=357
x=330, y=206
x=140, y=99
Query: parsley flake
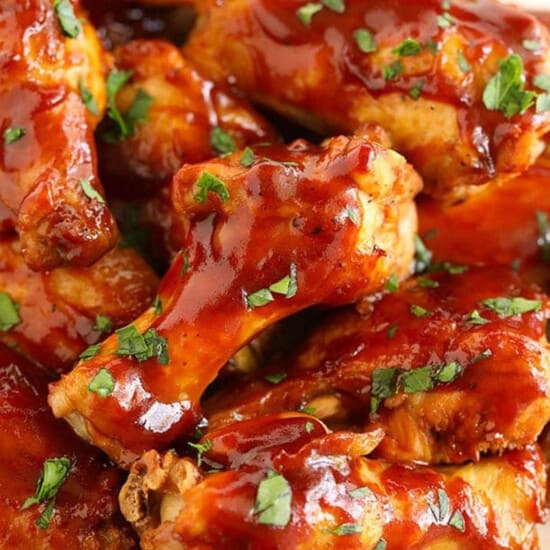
x=54, y=472
x=457, y=521
x=9, y=313
x=143, y=347
x=392, y=284
x=247, y=158
x=361, y=492
x=103, y=323
x=408, y=47
x=309, y=427
x=201, y=449
x=346, y=529
x=90, y=352
x=532, y=45
x=380, y=545
x=259, y=298
x=70, y=25
x=102, y=383
x=157, y=305
x=542, y=81
x=392, y=71
x=87, y=97
x=474, y=318
x=416, y=90
x=339, y=6
x=419, y=311
x=463, y=65
x=505, y=91
x=353, y=215
x=273, y=501
x=275, y=378
x=426, y=282
x=209, y=183
x=391, y=331
x=506, y=307
x=222, y=142
x=365, y=41
x=287, y=286
x=90, y=191
x=305, y=13
x=11, y=135
x=422, y=256
x=445, y=20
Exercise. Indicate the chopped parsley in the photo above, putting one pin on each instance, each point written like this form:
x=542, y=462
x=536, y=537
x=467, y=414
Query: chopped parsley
x=102, y=383
x=346, y=529
x=201, y=449
x=90, y=352
x=408, y=47
x=419, y=311
x=185, y=263
x=432, y=45
x=442, y=512
x=543, y=100
x=143, y=347
x=9, y=313
x=506, y=307
x=70, y=25
x=505, y=91
x=426, y=282
x=309, y=427
x=392, y=71
x=275, y=378
x=90, y=191
x=287, y=286
x=339, y=6
x=87, y=97
x=307, y=410
x=422, y=256
x=416, y=90
x=483, y=355
x=103, y=323
x=365, y=41
x=209, y=183
x=392, y=284
x=11, y=135
x=273, y=500
x=387, y=382
x=222, y=142
x=361, y=492
x=543, y=242
x=54, y=472
x=305, y=13
x=247, y=158
x=532, y=45
x=445, y=20
x=391, y=331
x=462, y=63
x=474, y=318
x=157, y=305
x=380, y=545
x=543, y=103
x=124, y=124
x=542, y=81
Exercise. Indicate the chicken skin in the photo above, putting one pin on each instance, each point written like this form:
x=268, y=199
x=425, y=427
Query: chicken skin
x=454, y=86
x=286, y=482
x=190, y=119
x=52, y=95
x=83, y=513
x=509, y=223
x=446, y=371
x=58, y=314
x=271, y=231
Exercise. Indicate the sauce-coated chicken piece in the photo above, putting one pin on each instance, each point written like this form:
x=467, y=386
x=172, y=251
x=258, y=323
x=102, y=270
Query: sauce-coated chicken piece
x=190, y=119
x=271, y=231
x=287, y=483
x=48, y=173
x=446, y=376
x=418, y=69
x=85, y=512
x=501, y=225
x=62, y=312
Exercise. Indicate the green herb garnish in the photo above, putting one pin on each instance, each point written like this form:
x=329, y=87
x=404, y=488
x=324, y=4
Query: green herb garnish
x=102, y=383
x=273, y=500
x=11, y=135
x=9, y=313
x=68, y=21
x=209, y=183
x=365, y=40
x=222, y=142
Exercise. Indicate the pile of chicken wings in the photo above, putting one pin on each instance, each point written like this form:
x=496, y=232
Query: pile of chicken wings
x=274, y=274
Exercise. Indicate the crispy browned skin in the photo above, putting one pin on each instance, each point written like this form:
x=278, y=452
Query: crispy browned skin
x=318, y=75
x=186, y=108
x=86, y=512
x=58, y=309
x=172, y=504
x=289, y=211
x=498, y=402
x=40, y=71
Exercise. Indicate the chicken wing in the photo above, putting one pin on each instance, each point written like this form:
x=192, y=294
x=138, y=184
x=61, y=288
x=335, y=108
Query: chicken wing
x=77, y=507
x=285, y=482
x=190, y=119
x=57, y=314
x=453, y=85
x=449, y=365
x=52, y=94
x=510, y=224
x=271, y=231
